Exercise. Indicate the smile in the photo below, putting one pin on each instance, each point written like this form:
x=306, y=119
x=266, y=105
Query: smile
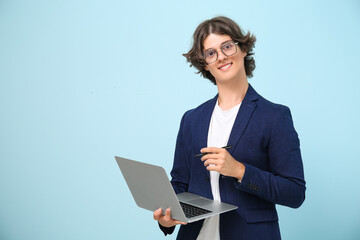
x=225, y=67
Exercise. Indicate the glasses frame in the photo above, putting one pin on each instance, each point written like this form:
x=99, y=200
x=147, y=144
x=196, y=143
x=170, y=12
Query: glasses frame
x=216, y=50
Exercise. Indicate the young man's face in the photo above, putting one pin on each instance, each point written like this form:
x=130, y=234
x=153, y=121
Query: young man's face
x=225, y=68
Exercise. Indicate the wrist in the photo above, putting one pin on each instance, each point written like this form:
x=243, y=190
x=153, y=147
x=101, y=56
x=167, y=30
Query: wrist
x=240, y=171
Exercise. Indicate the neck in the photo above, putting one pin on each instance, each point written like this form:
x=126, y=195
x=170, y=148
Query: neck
x=232, y=93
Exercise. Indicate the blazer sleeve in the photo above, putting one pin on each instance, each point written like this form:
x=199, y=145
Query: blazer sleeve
x=180, y=171
x=284, y=184
x=166, y=230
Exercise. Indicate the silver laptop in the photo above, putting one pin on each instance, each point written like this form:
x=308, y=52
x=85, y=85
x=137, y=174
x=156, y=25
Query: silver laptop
x=151, y=189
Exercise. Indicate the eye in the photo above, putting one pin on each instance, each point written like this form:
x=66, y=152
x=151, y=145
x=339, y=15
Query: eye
x=227, y=46
x=210, y=53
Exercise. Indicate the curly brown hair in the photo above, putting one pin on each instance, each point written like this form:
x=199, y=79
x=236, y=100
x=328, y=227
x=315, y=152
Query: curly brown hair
x=220, y=25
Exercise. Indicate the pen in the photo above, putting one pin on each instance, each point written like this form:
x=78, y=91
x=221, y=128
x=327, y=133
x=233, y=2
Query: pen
x=202, y=154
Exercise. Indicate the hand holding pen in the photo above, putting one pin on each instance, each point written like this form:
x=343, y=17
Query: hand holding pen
x=221, y=161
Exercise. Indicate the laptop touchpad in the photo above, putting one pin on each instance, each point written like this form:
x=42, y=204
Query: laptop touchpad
x=201, y=202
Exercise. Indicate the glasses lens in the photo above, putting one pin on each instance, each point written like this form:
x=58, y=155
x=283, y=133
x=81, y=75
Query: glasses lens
x=210, y=55
x=228, y=48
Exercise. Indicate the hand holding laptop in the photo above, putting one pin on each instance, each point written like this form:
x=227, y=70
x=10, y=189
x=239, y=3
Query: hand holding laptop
x=166, y=221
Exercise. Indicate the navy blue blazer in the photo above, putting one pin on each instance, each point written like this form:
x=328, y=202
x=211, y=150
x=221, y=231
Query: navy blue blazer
x=263, y=138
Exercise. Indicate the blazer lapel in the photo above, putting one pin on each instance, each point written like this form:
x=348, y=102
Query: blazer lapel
x=204, y=126
x=205, y=122
x=246, y=110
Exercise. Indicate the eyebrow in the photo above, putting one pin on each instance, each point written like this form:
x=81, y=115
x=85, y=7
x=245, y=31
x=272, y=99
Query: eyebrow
x=220, y=45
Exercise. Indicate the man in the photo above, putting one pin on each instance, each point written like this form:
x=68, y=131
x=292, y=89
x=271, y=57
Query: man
x=262, y=168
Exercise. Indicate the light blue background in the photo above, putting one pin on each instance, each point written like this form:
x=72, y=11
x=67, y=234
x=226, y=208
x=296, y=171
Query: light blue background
x=82, y=81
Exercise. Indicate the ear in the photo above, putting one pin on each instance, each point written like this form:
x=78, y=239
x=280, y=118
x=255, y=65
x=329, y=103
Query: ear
x=244, y=51
x=206, y=68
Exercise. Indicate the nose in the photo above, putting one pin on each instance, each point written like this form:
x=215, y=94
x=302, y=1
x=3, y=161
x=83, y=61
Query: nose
x=221, y=55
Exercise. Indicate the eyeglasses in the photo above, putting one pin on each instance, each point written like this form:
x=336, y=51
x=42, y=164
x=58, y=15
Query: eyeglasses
x=227, y=48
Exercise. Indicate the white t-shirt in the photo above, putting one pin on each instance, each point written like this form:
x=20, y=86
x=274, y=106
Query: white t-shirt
x=220, y=127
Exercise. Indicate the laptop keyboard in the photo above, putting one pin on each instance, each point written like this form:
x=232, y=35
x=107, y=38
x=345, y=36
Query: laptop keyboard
x=192, y=211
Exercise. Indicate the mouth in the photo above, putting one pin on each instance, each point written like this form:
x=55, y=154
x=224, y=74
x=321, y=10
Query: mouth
x=225, y=67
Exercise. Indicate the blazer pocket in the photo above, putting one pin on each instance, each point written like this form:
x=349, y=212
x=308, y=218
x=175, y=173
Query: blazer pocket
x=261, y=215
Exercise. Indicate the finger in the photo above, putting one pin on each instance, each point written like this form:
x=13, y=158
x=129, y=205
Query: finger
x=178, y=222
x=167, y=212
x=209, y=156
x=210, y=149
x=167, y=215
x=210, y=161
x=213, y=168
x=157, y=214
